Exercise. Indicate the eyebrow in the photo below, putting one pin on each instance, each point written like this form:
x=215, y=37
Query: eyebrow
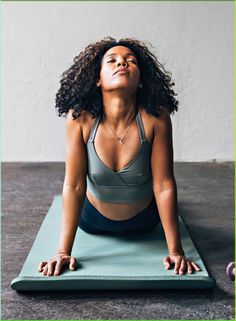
x=127, y=54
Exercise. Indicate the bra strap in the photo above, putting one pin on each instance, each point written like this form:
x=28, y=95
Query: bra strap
x=94, y=129
x=141, y=127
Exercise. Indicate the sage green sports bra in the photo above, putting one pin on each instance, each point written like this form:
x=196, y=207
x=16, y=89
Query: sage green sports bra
x=131, y=183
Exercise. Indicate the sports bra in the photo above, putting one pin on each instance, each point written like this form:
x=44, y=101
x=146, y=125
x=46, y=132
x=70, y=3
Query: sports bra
x=131, y=183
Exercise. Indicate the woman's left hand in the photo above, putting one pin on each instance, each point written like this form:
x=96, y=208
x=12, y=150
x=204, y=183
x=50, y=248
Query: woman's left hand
x=181, y=264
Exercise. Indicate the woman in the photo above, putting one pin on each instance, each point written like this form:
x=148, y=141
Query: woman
x=119, y=167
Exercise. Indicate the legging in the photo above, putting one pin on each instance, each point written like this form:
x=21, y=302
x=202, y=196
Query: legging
x=92, y=221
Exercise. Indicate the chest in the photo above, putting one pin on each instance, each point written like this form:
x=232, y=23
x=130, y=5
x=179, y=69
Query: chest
x=116, y=156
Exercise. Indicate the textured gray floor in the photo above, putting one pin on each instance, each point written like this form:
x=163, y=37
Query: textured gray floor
x=205, y=198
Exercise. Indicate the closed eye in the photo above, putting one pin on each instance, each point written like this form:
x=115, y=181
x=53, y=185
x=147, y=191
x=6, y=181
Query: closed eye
x=114, y=60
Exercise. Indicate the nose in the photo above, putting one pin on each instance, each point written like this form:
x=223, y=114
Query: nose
x=122, y=62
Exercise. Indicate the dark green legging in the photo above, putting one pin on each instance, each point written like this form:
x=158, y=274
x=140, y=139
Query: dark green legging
x=92, y=221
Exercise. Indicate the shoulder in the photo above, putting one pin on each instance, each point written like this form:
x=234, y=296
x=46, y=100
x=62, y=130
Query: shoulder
x=84, y=120
x=83, y=123
x=157, y=124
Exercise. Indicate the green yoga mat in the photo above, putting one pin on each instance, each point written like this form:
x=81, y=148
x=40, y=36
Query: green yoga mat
x=107, y=261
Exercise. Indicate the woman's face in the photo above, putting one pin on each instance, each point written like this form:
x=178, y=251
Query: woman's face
x=116, y=58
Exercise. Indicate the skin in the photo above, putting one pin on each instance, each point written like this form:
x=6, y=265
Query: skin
x=119, y=101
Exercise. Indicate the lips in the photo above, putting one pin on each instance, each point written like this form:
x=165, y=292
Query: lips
x=121, y=71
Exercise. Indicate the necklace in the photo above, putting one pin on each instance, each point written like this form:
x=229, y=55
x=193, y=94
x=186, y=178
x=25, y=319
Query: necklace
x=120, y=140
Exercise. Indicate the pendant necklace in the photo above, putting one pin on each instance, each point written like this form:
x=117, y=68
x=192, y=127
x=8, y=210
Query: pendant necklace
x=120, y=140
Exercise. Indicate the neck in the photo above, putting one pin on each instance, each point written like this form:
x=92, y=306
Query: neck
x=119, y=111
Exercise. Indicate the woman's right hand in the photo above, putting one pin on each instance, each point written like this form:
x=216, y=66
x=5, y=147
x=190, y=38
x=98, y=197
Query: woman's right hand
x=54, y=265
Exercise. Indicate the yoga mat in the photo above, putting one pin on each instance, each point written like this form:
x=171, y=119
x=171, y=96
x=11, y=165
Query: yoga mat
x=108, y=261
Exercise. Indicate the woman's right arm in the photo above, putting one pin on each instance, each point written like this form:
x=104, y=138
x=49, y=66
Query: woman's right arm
x=74, y=190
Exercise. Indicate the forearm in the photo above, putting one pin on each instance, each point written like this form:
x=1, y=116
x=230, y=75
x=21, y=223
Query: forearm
x=168, y=211
x=72, y=203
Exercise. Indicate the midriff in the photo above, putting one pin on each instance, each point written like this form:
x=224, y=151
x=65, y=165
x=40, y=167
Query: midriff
x=121, y=211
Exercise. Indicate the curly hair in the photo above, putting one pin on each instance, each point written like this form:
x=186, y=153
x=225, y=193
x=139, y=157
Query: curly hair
x=78, y=90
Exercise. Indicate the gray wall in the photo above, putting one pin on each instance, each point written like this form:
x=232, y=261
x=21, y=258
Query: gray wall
x=193, y=39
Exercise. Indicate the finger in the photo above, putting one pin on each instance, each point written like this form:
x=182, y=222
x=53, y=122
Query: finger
x=167, y=262
x=190, y=270
x=51, y=265
x=182, y=266
x=58, y=267
x=45, y=269
x=177, y=265
x=41, y=266
x=66, y=258
x=196, y=267
x=72, y=263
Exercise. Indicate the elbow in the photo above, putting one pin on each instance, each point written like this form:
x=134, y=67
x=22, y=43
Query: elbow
x=79, y=189
x=166, y=185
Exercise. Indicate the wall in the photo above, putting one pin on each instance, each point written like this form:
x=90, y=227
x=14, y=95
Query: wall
x=193, y=39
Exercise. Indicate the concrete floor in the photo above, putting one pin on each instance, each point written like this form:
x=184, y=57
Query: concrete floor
x=205, y=198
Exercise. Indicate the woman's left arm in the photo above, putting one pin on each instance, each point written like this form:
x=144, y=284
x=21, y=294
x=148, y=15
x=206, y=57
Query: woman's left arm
x=165, y=192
